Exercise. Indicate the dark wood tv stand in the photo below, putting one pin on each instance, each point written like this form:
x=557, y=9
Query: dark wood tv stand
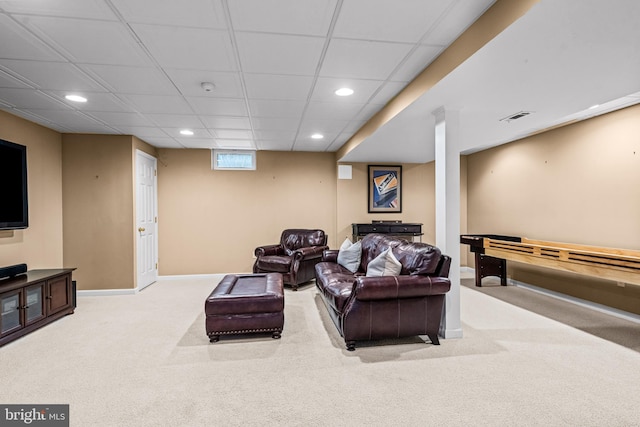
x=34, y=299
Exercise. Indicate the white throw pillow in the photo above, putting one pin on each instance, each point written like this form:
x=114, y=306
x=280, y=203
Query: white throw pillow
x=349, y=255
x=385, y=264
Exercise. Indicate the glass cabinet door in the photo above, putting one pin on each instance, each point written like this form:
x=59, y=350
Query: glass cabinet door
x=10, y=307
x=34, y=303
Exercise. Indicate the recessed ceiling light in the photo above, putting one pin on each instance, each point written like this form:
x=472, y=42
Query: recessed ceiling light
x=186, y=132
x=317, y=136
x=345, y=91
x=76, y=98
x=594, y=106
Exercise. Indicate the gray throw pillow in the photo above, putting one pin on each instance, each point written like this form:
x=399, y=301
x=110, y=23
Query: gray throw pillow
x=385, y=264
x=349, y=255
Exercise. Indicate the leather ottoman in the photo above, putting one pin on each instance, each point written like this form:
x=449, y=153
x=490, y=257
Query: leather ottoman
x=245, y=303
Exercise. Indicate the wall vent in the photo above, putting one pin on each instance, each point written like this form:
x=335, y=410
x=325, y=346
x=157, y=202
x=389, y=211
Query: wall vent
x=515, y=116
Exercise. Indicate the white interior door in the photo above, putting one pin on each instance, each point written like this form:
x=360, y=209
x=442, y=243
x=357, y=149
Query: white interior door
x=146, y=219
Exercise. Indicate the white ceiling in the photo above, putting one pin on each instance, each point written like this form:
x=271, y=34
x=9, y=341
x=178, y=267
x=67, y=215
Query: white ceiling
x=276, y=63
x=560, y=59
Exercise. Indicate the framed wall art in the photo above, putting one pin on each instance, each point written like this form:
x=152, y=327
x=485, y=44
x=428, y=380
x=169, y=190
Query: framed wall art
x=385, y=189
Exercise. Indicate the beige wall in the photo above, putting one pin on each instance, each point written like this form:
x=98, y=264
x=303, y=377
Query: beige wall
x=211, y=221
x=99, y=208
x=418, y=200
x=39, y=245
x=575, y=184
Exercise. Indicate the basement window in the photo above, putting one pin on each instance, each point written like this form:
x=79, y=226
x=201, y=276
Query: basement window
x=233, y=160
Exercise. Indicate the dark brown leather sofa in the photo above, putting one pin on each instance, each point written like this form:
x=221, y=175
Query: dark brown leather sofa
x=370, y=308
x=294, y=257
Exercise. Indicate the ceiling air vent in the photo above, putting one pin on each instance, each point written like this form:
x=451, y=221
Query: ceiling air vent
x=515, y=116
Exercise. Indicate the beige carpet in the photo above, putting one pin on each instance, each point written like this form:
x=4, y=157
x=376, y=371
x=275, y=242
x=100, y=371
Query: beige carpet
x=144, y=360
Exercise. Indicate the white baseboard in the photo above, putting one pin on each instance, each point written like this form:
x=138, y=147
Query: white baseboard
x=193, y=276
x=632, y=317
x=109, y=292
x=105, y=292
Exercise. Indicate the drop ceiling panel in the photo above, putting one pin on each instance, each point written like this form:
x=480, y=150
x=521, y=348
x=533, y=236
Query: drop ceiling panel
x=235, y=143
x=276, y=109
x=233, y=134
x=23, y=44
x=96, y=101
x=149, y=104
x=362, y=59
x=279, y=54
x=71, y=118
x=311, y=17
x=188, y=48
x=199, y=13
x=332, y=111
x=102, y=42
x=273, y=135
x=28, y=99
x=7, y=80
x=209, y=106
x=312, y=145
x=188, y=82
x=325, y=127
x=221, y=122
x=274, y=145
x=363, y=90
x=132, y=80
x=264, y=123
x=95, y=9
x=198, y=134
x=121, y=119
x=142, y=132
x=270, y=86
x=52, y=75
x=181, y=121
x=389, y=20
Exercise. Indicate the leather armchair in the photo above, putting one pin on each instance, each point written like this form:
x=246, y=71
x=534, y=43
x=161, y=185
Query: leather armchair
x=294, y=257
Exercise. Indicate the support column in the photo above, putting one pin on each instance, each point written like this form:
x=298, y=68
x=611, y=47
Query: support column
x=447, y=155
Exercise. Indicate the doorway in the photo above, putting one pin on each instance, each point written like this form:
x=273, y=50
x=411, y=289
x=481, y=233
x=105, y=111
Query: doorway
x=146, y=219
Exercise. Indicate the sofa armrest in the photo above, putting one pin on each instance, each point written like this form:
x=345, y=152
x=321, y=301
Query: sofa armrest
x=269, y=250
x=330, y=255
x=311, y=251
x=404, y=286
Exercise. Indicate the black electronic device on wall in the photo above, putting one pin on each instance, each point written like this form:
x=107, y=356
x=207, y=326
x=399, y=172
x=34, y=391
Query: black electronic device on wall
x=14, y=201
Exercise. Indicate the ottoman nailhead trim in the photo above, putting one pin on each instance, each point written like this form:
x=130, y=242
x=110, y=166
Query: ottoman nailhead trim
x=245, y=331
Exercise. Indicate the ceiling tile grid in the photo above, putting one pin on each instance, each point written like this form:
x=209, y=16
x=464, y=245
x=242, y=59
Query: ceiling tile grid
x=274, y=65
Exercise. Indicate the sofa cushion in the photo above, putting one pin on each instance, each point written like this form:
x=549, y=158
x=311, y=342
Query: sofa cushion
x=293, y=239
x=349, y=255
x=384, y=264
x=275, y=263
x=335, y=282
x=418, y=258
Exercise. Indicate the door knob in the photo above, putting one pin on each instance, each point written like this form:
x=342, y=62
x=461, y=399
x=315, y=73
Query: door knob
x=141, y=229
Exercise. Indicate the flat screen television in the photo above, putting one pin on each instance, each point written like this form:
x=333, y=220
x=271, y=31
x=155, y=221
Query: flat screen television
x=14, y=203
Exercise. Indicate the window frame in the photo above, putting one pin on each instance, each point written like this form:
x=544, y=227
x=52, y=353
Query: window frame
x=216, y=166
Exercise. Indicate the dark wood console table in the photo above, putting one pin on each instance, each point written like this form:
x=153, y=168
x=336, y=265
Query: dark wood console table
x=394, y=228
x=34, y=299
